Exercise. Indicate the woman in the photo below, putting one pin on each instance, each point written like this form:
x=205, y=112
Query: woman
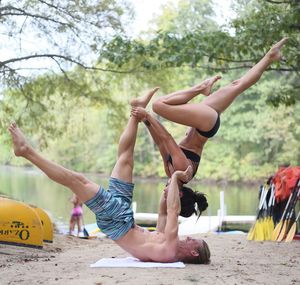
x=203, y=118
x=76, y=216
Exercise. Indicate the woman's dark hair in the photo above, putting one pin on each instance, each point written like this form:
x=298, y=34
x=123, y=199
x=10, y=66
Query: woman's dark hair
x=189, y=199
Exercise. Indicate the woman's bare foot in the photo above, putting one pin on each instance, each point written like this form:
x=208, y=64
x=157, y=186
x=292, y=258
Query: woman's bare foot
x=143, y=100
x=139, y=112
x=274, y=53
x=206, y=86
x=20, y=144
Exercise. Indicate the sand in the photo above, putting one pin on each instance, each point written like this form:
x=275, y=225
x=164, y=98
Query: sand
x=234, y=261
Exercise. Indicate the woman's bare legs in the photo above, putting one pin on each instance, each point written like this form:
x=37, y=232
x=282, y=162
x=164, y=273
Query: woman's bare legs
x=203, y=115
x=76, y=182
x=174, y=108
x=79, y=224
x=183, y=96
x=222, y=98
x=72, y=225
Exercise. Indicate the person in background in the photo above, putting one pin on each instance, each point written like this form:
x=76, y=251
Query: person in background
x=76, y=217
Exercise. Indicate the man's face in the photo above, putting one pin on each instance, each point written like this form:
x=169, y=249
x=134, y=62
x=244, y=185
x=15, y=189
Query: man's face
x=196, y=250
x=193, y=243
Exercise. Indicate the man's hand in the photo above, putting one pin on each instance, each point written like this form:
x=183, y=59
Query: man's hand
x=173, y=205
x=184, y=175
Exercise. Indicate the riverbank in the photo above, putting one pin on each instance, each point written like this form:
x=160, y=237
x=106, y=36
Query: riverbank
x=31, y=186
x=154, y=179
x=234, y=260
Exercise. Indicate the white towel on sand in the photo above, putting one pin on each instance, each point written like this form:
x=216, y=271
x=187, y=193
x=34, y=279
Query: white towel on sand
x=133, y=262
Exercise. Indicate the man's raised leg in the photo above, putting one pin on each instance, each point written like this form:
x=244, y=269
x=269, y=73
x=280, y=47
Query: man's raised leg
x=76, y=182
x=124, y=166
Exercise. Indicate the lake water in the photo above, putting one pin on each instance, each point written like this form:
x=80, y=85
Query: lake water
x=33, y=187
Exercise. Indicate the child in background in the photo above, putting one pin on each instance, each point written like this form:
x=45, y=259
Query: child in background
x=76, y=217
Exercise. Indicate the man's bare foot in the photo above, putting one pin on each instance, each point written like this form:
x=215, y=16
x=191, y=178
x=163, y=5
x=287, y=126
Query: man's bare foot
x=274, y=53
x=139, y=112
x=206, y=86
x=21, y=147
x=143, y=100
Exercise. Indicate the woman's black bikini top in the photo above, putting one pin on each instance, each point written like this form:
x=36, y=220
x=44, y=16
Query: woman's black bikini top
x=192, y=156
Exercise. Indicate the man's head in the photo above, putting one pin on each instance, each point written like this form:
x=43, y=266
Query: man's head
x=194, y=251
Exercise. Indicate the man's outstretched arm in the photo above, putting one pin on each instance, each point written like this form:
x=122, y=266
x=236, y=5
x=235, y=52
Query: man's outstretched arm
x=173, y=203
x=162, y=214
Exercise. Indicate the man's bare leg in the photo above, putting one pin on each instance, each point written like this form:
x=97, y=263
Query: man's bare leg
x=76, y=182
x=143, y=100
x=222, y=98
x=123, y=168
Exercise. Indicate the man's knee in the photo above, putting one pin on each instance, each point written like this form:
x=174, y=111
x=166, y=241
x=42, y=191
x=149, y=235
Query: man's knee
x=123, y=168
x=125, y=160
x=77, y=178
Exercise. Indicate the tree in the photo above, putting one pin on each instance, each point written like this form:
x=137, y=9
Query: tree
x=48, y=48
x=53, y=36
x=259, y=24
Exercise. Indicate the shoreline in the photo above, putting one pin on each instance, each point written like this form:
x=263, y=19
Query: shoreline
x=208, y=182
x=234, y=260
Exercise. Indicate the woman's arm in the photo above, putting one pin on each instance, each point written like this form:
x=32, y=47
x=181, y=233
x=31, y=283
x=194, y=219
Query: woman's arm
x=165, y=142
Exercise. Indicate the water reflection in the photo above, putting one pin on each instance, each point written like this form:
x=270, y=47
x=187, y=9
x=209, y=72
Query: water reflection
x=32, y=187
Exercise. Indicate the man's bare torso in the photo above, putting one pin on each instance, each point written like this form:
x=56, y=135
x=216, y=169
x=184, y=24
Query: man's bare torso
x=147, y=246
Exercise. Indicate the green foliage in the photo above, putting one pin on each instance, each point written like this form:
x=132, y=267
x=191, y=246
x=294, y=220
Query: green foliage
x=178, y=43
x=55, y=36
x=187, y=16
x=76, y=117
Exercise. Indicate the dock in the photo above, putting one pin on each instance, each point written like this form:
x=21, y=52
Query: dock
x=204, y=224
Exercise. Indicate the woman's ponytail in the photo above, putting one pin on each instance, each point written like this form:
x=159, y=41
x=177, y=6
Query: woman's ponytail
x=189, y=199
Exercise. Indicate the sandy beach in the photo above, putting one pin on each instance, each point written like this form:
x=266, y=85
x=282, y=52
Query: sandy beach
x=234, y=261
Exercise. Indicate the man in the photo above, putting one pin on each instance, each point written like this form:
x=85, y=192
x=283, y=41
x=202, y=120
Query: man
x=112, y=208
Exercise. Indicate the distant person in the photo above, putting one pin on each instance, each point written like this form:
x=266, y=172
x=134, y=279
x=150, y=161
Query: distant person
x=112, y=208
x=76, y=217
x=202, y=118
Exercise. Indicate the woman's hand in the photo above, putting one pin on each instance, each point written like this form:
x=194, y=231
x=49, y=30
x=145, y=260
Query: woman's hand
x=139, y=112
